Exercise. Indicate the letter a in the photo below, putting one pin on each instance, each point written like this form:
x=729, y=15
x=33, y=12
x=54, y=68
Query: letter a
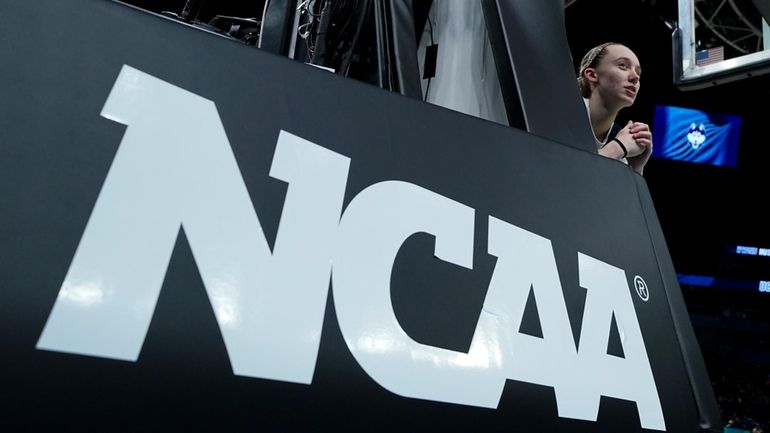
x=628, y=378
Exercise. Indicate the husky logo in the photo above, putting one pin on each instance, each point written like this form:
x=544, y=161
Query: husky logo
x=155, y=188
x=697, y=135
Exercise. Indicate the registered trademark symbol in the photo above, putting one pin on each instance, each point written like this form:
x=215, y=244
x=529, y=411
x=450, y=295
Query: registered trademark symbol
x=641, y=288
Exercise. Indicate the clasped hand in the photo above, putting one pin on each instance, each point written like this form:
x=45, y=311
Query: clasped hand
x=637, y=138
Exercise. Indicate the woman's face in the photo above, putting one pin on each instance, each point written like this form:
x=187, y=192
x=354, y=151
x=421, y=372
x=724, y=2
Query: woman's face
x=617, y=76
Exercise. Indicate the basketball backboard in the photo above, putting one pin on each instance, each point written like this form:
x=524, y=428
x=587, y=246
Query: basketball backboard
x=718, y=41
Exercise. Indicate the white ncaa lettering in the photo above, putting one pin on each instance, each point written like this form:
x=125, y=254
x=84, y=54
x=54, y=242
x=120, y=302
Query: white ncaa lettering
x=628, y=378
x=372, y=229
x=175, y=169
x=526, y=261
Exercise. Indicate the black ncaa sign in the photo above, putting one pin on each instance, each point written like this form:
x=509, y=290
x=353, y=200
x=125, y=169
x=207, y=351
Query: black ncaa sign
x=196, y=235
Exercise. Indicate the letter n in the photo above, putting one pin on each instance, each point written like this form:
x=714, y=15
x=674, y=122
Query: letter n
x=175, y=168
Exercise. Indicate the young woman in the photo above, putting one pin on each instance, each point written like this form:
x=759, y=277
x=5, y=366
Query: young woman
x=609, y=81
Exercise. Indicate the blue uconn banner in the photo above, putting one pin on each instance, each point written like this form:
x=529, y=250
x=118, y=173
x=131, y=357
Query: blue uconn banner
x=685, y=134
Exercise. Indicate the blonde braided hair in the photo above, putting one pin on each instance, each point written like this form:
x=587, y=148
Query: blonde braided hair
x=590, y=60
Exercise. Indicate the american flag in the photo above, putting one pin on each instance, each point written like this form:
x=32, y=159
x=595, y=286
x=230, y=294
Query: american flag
x=709, y=56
